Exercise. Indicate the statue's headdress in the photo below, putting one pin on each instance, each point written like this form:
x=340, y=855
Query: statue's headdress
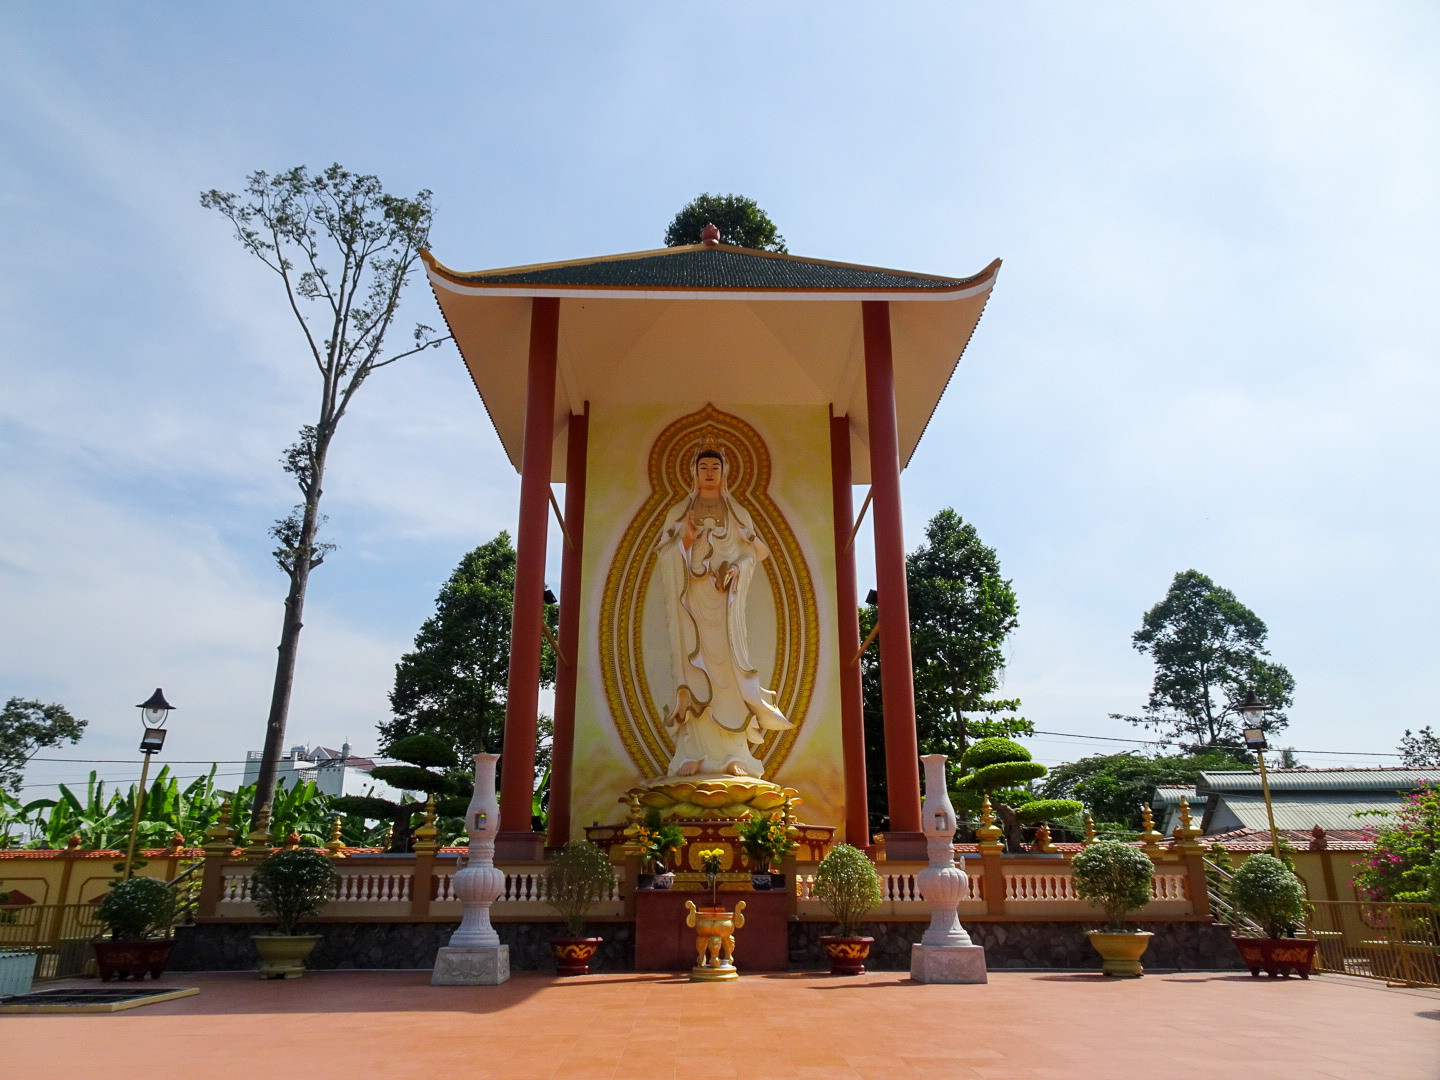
x=709, y=448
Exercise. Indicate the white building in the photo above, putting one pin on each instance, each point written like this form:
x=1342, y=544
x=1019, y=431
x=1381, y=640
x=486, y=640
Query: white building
x=334, y=772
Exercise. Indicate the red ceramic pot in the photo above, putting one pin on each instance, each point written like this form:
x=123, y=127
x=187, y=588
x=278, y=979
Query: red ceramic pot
x=1278, y=956
x=573, y=954
x=847, y=954
x=132, y=959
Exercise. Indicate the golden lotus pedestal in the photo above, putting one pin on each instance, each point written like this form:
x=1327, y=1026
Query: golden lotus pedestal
x=710, y=796
x=714, y=941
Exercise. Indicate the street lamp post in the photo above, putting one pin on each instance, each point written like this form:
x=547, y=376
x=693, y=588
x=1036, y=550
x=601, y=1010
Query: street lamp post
x=153, y=714
x=1255, y=740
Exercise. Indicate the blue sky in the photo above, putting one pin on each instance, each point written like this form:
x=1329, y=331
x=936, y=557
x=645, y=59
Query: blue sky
x=1212, y=345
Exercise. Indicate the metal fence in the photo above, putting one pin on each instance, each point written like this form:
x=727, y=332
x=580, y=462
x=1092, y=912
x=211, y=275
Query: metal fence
x=59, y=935
x=1399, y=943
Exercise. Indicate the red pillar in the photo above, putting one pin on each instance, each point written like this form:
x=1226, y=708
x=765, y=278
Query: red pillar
x=563, y=753
x=897, y=675
x=516, y=840
x=852, y=706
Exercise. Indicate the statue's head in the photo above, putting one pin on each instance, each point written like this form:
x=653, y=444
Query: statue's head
x=709, y=472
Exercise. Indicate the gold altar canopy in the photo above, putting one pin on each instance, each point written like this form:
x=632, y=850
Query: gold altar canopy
x=786, y=329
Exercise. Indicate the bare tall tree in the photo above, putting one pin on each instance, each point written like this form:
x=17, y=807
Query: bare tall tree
x=344, y=250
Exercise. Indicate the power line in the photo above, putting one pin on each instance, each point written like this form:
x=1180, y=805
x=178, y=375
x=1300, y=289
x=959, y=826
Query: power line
x=1166, y=742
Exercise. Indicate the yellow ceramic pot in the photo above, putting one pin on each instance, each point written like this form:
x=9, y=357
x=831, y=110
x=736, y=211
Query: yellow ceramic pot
x=1120, y=953
x=283, y=957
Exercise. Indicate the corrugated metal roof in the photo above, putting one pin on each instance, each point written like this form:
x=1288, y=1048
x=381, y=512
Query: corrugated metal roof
x=1302, y=812
x=1167, y=794
x=1325, y=780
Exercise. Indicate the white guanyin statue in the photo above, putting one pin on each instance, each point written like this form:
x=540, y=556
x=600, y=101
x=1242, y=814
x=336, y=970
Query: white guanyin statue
x=708, y=554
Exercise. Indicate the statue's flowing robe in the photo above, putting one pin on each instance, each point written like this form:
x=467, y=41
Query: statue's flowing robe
x=719, y=711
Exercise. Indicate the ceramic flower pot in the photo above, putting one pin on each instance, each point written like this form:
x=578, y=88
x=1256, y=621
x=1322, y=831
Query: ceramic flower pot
x=1278, y=956
x=847, y=955
x=644, y=881
x=132, y=959
x=1120, y=952
x=282, y=956
x=573, y=954
x=665, y=880
x=761, y=882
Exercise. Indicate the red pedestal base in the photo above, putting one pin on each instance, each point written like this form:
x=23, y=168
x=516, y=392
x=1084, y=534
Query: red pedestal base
x=664, y=943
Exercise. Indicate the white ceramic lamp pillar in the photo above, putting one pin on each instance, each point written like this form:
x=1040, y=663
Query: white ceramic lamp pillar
x=945, y=952
x=475, y=955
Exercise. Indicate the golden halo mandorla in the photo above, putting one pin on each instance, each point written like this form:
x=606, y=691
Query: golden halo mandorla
x=632, y=701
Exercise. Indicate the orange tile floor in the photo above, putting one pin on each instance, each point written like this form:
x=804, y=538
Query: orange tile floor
x=1067, y=1026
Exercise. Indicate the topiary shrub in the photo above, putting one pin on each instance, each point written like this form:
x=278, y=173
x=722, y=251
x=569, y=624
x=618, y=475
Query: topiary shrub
x=846, y=883
x=578, y=878
x=292, y=885
x=1270, y=894
x=999, y=768
x=1116, y=876
x=136, y=908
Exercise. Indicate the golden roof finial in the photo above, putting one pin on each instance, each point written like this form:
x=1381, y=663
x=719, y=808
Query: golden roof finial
x=1042, y=840
x=258, y=843
x=220, y=838
x=1090, y=836
x=425, y=836
x=336, y=846
x=1149, y=838
x=989, y=833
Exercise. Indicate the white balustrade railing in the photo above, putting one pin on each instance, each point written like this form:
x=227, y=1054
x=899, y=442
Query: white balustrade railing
x=1039, y=886
x=525, y=886
x=897, y=886
x=1170, y=887
x=352, y=888
x=380, y=887
x=1037, y=890
x=235, y=888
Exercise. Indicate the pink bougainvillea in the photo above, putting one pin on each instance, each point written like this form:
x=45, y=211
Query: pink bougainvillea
x=1400, y=867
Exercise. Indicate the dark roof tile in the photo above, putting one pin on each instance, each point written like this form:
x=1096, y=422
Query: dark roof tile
x=713, y=268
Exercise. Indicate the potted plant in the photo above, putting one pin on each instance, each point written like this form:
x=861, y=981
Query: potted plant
x=656, y=842
x=578, y=878
x=136, y=912
x=288, y=886
x=846, y=883
x=1265, y=890
x=1117, y=877
x=766, y=840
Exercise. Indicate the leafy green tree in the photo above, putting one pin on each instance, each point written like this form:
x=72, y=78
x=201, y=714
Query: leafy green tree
x=1421, y=750
x=1209, y=649
x=26, y=728
x=961, y=612
x=343, y=250
x=1003, y=769
x=428, y=764
x=452, y=685
x=741, y=223
x=1114, y=786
